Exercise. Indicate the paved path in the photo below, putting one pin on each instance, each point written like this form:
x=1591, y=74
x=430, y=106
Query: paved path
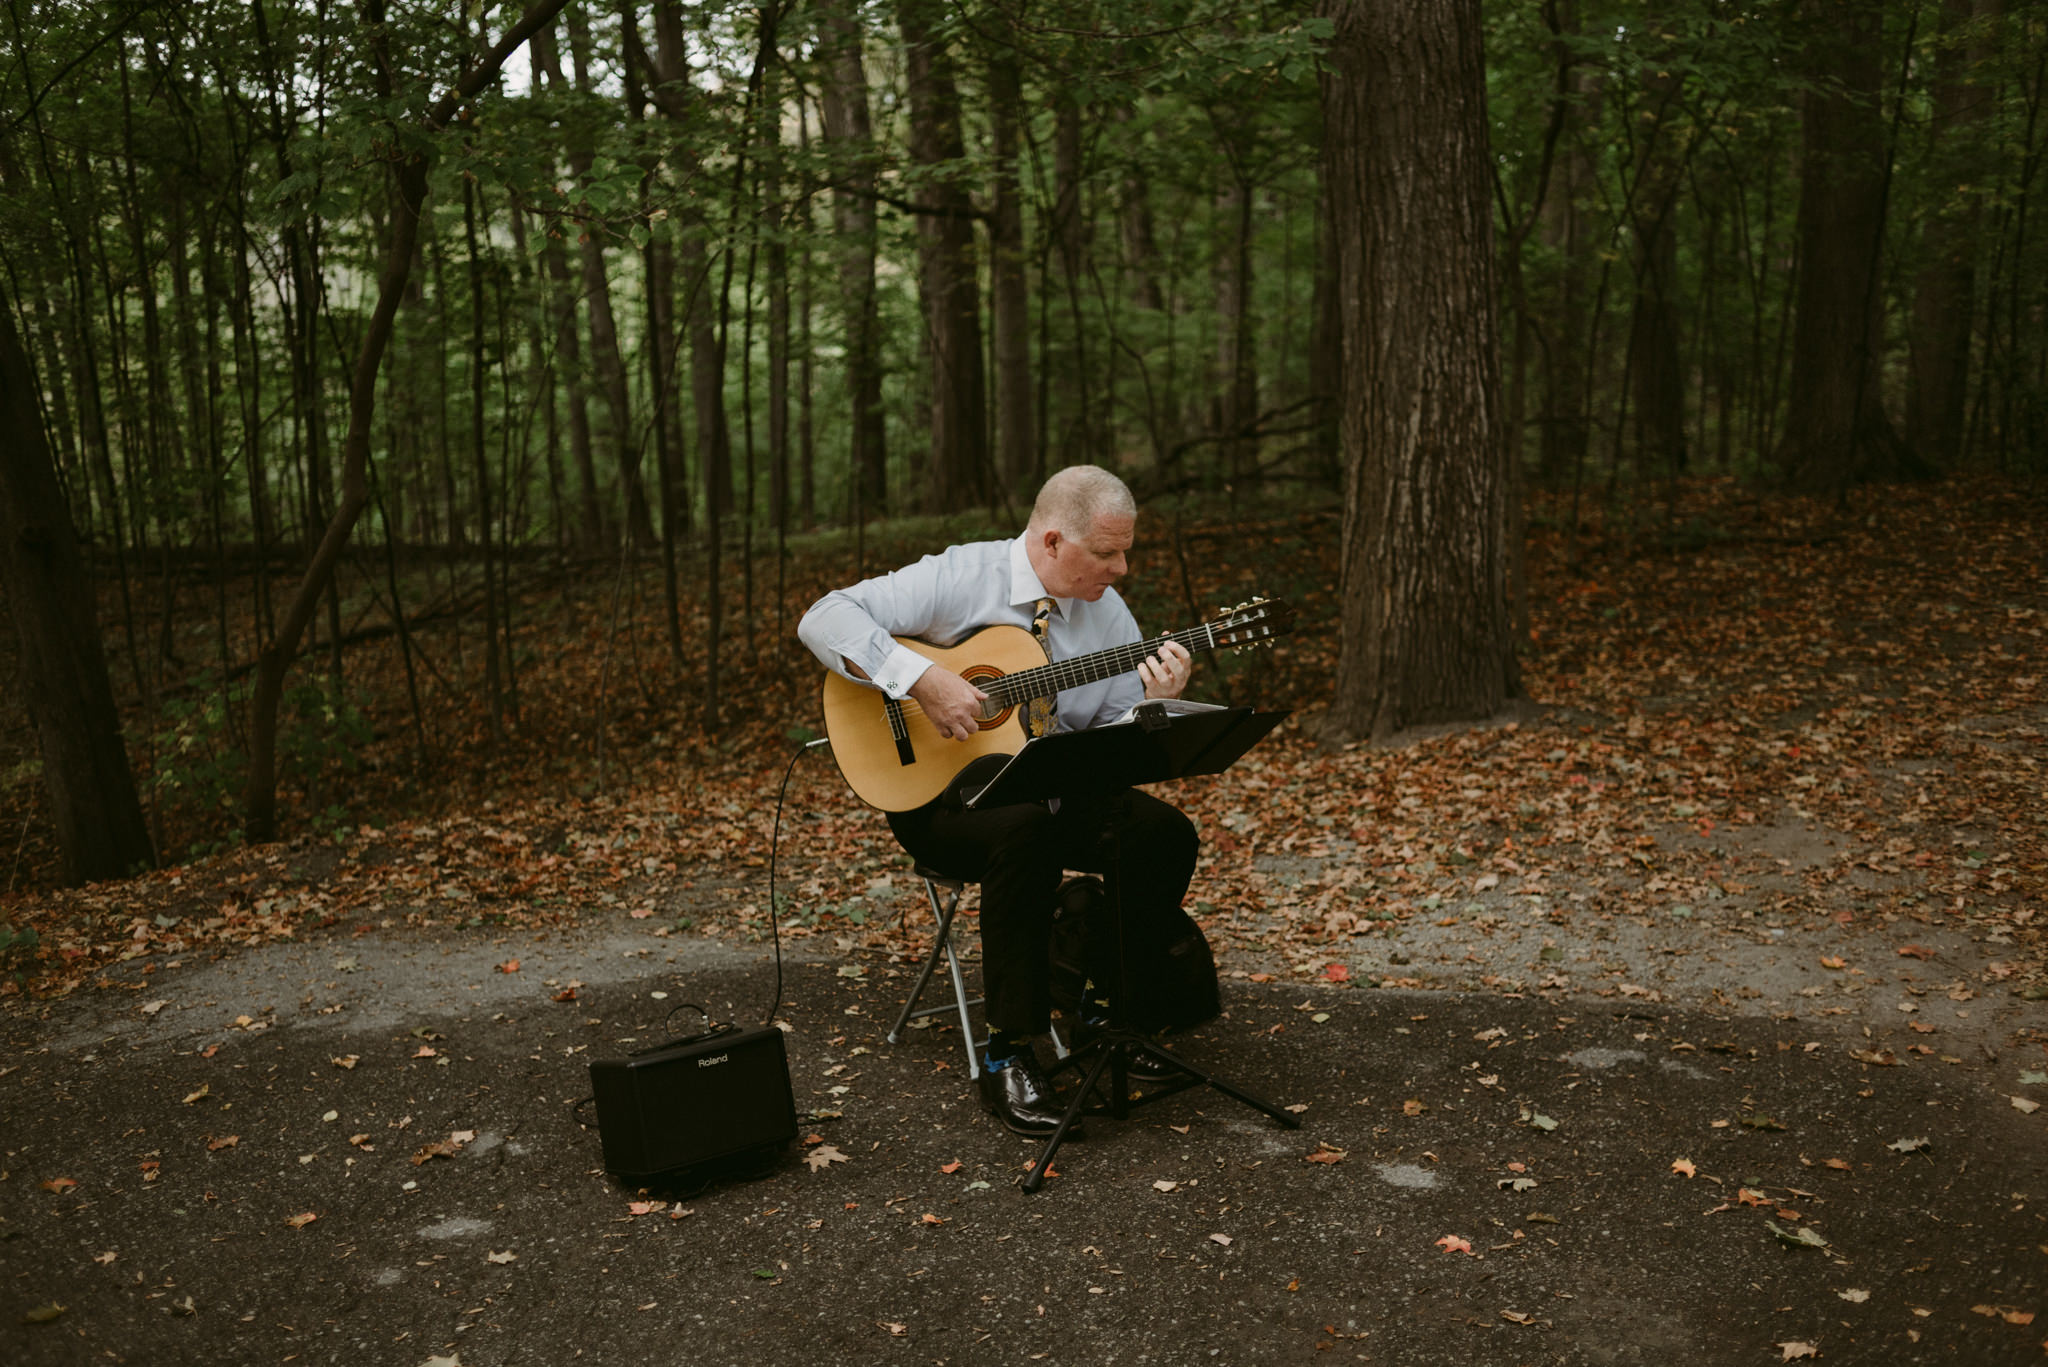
x=159, y=1164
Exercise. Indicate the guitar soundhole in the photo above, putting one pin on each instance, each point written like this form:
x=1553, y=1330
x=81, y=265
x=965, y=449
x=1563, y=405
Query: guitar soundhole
x=993, y=714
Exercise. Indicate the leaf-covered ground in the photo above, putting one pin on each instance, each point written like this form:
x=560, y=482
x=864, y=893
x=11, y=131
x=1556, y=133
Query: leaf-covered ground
x=1743, y=713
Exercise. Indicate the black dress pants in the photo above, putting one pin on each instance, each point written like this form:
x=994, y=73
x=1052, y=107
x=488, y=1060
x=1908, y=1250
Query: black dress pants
x=1018, y=855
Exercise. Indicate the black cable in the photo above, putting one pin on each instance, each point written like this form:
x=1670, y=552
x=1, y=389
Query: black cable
x=774, y=843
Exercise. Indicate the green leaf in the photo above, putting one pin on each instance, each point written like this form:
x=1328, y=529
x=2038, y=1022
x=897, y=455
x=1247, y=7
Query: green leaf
x=1796, y=1238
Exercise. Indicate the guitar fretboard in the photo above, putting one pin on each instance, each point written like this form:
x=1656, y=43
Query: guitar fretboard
x=1047, y=680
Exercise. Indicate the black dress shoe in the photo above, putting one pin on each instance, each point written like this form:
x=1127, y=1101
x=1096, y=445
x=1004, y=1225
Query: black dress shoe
x=1017, y=1095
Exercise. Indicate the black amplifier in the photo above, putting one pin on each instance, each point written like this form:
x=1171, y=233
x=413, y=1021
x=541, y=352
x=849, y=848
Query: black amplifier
x=692, y=1102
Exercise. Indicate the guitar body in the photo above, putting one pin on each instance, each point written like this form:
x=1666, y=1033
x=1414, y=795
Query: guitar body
x=899, y=774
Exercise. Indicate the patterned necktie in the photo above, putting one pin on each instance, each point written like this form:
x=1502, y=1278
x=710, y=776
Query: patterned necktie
x=1042, y=712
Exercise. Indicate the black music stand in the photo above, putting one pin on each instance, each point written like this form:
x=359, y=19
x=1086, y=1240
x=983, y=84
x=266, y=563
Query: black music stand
x=1163, y=741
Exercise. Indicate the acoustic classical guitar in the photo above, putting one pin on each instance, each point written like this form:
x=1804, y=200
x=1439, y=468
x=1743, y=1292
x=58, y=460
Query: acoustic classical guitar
x=895, y=759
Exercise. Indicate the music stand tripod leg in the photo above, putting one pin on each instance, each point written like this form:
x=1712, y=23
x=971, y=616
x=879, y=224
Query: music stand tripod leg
x=1036, y=1179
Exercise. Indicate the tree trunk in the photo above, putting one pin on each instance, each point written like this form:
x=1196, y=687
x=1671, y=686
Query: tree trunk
x=605, y=357
x=1426, y=633
x=843, y=106
x=93, y=805
x=1016, y=434
x=946, y=270
x=1836, y=432
x=1939, y=340
x=1659, y=388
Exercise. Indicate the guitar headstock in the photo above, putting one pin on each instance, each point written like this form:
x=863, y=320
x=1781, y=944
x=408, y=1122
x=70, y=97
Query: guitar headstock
x=1254, y=623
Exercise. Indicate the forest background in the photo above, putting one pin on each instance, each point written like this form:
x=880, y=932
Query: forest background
x=452, y=409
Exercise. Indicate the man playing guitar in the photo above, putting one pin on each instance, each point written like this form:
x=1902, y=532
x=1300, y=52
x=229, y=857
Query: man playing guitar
x=1056, y=580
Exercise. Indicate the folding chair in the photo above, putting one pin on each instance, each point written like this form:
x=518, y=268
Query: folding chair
x=944, y=892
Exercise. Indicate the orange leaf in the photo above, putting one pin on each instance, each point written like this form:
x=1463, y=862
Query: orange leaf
x=1685, y=1166
x=1451, y=1243
x=953, y=1166
x=1916, y=951
x=1337, y=973
x=509, y=966
x=60, y=1185
x=300, y=1221
x=1752, y=1198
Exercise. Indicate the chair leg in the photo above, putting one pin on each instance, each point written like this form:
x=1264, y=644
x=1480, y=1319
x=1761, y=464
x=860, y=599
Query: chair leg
x=943, y=912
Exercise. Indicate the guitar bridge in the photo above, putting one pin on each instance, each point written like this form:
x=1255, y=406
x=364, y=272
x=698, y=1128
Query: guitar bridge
x=905, y=754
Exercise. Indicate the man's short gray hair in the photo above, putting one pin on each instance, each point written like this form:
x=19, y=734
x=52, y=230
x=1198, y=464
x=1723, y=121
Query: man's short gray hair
x=1074, y=497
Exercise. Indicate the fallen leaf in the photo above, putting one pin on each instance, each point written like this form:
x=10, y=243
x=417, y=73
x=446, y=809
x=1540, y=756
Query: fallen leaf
x=1325, y=1153
x=346, y=1060
x=1855, y=1295
x=226, y=1141
x=300, y=1221
x=1337, y=973
x=1833, y=961
x=929, y=1219
x=645, y=1207
x=1916, y=951
x=1796, y=1349
x=1452, y=1243
x=1910, y=1145
x=895, y=1329
x=824, y=1156
x=1685, y=1166
x=1744, y=1196
x=1166, y=1186
x=1882, y=1058
x=2024, y=1106
x=509, y=966
x=1517, y=1317
x=60, y=1185
x=567, y=994
x=43, y=1314
x=1412, y=1107
x=104, y=1258
x=426, y=1051
x=1796, y=1238
x=1224, y=1239
x=151, y=1008
x=205, y=1090
x=953, y=1166
x=507, y=1256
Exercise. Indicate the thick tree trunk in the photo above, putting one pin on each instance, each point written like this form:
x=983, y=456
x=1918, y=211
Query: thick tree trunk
x=946, y=270
x=1836, y=432
x=100, y=828
x=843, y=106
x=1424, y=570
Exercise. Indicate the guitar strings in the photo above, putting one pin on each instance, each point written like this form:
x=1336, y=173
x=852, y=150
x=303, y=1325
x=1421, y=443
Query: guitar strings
x=1011, y=689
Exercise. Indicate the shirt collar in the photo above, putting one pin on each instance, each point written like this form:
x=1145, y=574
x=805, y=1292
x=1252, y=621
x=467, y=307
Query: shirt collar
x=1025, y=588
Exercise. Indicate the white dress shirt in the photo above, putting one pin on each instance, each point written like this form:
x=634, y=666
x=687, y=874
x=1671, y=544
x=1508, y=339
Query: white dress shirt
x=945, y=597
